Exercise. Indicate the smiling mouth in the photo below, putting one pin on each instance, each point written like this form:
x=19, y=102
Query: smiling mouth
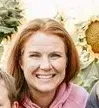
x=40, y=76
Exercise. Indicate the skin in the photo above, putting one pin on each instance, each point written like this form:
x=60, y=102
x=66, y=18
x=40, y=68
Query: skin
x=4, y=100
x=44, y=63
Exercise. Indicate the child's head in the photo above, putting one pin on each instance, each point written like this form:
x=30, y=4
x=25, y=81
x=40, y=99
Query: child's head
x=7, y=91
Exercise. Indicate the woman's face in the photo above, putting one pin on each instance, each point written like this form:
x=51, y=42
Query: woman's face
x=44, y=62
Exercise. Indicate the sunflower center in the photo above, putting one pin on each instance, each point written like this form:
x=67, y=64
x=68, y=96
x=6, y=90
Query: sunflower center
x=92, y=36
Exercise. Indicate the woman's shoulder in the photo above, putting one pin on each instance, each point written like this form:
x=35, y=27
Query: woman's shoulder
x=78, y=94
x=76, y=89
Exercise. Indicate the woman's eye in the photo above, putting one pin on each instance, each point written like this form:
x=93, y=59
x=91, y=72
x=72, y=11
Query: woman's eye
x=35, y=55
x=55, y=56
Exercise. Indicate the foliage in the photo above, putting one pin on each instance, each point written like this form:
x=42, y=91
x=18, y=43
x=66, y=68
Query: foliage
x=60, y=18
x=89, y=75
x=88, y=48
x=10, y=15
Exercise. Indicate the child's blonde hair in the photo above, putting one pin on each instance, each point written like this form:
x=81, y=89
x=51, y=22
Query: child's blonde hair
x=10, y=85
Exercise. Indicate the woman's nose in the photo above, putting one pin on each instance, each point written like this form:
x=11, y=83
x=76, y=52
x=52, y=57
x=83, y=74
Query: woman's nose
x=45, y=64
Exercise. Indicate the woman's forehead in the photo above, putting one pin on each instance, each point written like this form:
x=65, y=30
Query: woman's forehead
x=42, y=39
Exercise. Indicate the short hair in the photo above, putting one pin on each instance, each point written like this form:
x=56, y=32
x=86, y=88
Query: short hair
x=47, y=26
x=10, y=85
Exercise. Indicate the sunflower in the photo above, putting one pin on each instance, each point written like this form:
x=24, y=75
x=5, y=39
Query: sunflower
x=88, y=49
x=92, y=36
x=88, y=40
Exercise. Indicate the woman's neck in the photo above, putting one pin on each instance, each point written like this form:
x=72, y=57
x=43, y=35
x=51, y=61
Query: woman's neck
x=42, y=99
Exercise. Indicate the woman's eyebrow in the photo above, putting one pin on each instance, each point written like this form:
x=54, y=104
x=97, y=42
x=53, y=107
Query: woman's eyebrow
x=58, y=52
x=35, y=52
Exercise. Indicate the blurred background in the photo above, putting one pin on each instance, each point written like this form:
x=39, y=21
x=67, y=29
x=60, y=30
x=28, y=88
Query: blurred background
x=80, y=18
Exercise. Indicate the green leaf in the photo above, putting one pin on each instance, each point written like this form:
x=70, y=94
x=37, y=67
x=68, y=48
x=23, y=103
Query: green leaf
x=10, y=15
x=89, y=76
x=6, y=30
x=3, y=11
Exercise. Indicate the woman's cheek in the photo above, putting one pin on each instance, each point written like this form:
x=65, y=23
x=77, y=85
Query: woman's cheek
x=59, y=65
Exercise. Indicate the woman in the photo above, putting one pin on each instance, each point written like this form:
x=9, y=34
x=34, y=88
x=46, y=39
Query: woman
x=93, y=100
x=44, y=60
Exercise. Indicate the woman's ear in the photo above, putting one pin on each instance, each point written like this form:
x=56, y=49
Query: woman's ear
x=20, y=63
x=20, y=59
x=15, y=104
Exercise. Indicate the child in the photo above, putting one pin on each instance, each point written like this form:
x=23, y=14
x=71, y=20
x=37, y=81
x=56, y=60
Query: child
x=7, y=91
x=93, y=100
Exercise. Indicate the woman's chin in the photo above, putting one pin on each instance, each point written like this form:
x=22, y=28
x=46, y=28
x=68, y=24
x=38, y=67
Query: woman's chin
x=46, y=88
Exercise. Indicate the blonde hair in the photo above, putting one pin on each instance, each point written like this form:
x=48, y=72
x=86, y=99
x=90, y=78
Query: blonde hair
x=10, y=85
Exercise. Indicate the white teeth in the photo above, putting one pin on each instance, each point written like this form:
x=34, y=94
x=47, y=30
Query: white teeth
x=44, y=76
